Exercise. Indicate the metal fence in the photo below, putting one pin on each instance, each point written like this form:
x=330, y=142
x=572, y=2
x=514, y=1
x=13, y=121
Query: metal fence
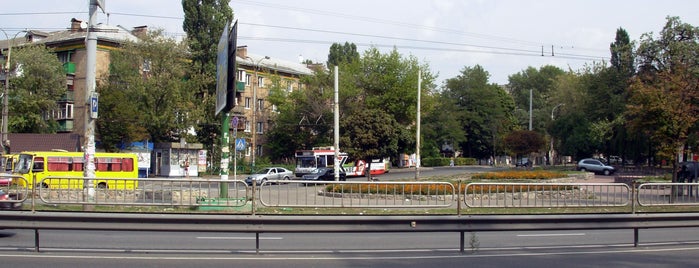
x=148, y=192
x=546, y=195
x=197, y=192
x=668, y=194
x=15, y=195
x=354, y=194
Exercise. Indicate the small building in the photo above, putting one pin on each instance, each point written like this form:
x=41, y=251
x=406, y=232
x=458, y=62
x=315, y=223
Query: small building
x=176, y=159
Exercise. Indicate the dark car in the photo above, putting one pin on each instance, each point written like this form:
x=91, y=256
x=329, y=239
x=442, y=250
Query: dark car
x=523, y=162
x=324, y=174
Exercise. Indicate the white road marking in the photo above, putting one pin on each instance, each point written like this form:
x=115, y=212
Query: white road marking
x=545, y=235
x=237, y=238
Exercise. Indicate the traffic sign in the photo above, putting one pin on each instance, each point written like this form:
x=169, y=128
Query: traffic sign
x=240, y=144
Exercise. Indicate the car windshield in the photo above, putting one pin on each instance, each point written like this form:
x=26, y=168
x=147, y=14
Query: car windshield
x=24, y=163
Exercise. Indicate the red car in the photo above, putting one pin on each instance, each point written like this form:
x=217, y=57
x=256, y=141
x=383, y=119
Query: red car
x=7, y=201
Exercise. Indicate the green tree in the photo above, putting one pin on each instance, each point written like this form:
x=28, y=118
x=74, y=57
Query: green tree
x=204, y=21
x=39, y=83
x=664, y=97
x=340, y=53
x=483, y=112
x=523, y=142
x=146, y=95
x=377, y=136
x=542, y=84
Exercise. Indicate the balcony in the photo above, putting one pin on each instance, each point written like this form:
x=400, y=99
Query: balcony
x=69, y=67
x=239, y=86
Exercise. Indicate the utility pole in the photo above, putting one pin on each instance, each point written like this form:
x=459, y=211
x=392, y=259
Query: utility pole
x=5, y=96
x=90, y=111
x=417, y=132
x=254, y=109
x=336, y=126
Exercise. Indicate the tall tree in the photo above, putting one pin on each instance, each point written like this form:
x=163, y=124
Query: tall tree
x=541, y=82
x=483, y=110
x=204, y=21
x=39, y=83
x=146, y=95
x=339, y=54
x=664, y=100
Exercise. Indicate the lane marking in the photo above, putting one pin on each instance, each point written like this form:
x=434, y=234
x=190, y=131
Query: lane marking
x=236, y=238
x=545, y=235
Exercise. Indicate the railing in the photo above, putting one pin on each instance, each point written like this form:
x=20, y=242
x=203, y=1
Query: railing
x=346, y=194
x=148, y=192
x=668, y=194
x=504, y=195
x=216, y=193
x=15, y=195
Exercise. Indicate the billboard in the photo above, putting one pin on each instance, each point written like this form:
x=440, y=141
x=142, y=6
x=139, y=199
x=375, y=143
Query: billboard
x=222, y=71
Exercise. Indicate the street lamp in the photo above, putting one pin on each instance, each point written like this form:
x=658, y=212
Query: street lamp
x=5, y=106
x=551, y=148
x=254, y=110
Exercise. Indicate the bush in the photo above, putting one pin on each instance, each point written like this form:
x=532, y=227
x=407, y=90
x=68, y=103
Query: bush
x=445, y=161
x=519, y=175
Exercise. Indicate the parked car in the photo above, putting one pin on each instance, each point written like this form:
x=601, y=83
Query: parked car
x=6, y=201
x=616, y=160
x=324, y=174
x=5, y=181
x=270, y=173
x=596, y=166
x=523, y=162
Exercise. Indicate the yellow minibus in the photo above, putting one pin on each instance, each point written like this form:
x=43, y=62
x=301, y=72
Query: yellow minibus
x=112, y=170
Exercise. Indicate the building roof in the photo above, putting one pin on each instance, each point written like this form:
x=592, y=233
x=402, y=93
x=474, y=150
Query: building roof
x=20, y=142
x=274, y=64
x=105, y=33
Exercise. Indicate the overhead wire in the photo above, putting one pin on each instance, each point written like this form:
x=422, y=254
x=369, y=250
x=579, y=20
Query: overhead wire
x=487, y=49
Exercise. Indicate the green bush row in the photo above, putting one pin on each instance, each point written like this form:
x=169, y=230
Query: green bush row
x=445, y=161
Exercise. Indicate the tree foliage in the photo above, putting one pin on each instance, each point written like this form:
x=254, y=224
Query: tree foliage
x=146, y=95
x=482, y=113
x=39, y=84
x=522, y=142
x=664, y=101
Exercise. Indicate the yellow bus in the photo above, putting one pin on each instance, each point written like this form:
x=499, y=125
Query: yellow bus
x=112, y=170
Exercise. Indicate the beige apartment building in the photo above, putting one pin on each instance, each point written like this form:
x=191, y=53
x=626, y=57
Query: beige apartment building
x=255, y=75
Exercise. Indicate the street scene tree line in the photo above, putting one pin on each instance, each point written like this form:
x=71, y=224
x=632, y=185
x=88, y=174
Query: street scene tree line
x=642, y=105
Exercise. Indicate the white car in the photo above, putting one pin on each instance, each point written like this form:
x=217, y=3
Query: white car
x=596, y=166
x=270, y=173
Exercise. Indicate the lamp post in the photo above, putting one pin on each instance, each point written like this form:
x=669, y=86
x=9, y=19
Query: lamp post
x=254, y=109
x=5, y=105
x=551, y=154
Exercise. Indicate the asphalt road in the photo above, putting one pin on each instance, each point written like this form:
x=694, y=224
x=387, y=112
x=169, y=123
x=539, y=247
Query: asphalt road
x=592, y=248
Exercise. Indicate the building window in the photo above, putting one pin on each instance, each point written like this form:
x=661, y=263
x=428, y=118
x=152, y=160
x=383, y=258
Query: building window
x=260, y=104
x=289, y=86
x=247, y=126
x=247, y=79
x=247, y=102
x=241, y=76
x=259, y=129
x=274, y=108
x=260, y=81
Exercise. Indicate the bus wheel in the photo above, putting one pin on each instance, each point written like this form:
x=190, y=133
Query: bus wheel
x=102, y=185
x=42, y=185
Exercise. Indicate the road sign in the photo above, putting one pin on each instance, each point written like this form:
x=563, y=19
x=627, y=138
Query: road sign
x=234, y=122
x=94, y=101
x=240, y=144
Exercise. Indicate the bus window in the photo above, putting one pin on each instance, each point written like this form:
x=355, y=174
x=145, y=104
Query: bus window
x=38, y=164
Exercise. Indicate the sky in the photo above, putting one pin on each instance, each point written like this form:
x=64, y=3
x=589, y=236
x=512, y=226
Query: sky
x=505, y=37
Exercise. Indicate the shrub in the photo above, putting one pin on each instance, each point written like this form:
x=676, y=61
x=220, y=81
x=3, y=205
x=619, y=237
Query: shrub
x=519, y=175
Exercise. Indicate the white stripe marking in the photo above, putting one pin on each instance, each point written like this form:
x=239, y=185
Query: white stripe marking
x=545, y=235
x=236, y=238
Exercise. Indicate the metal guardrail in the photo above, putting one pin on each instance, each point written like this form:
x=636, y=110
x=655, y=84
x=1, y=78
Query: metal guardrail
x=338, y=223
x=147, y=192
x=16, y=195
x=546, y=195
x=197, y=192
x=668, y=194
x=355, y=194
